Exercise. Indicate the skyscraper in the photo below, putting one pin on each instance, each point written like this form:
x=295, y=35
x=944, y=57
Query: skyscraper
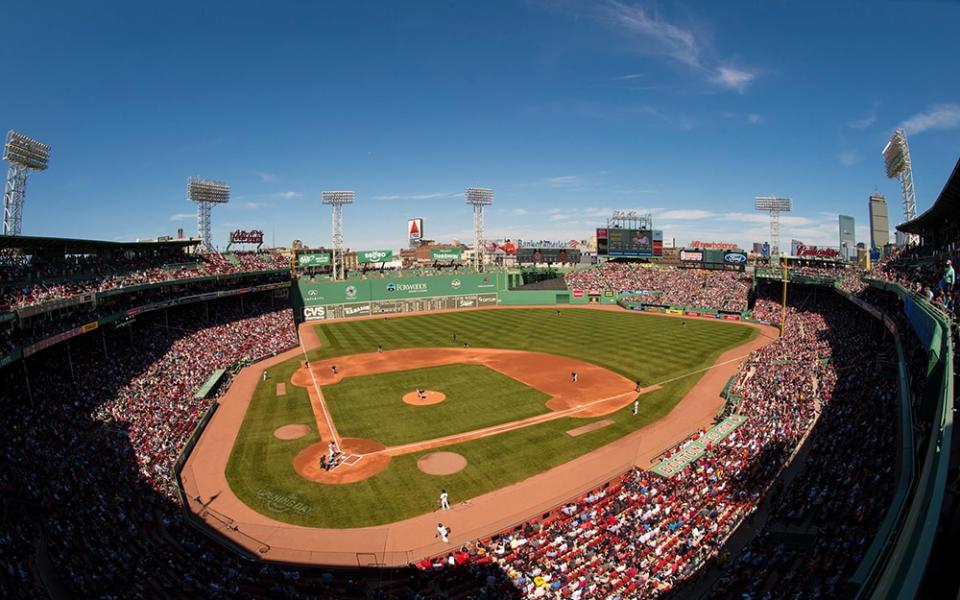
x=879, y=225
x=848, y=240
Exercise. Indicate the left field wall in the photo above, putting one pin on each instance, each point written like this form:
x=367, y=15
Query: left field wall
x=323, y=299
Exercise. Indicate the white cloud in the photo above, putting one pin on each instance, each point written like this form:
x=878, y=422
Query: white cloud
x=662, y=37
x=733, y=78
x=288, y=195
x=183, y=217
x=848, y=158
x=627, y=77
x=265, y=177
x=431, y=196
x=686, y=214
x=865, y=122
x=562, y=181
x=253, y=205
x=938, y=116
x=754, y=118
x=668, y=39
x=517, y=212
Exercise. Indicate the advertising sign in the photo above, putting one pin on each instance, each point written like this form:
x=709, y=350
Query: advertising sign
x=735, y=258
x=415, y=229
x=246, y=237
x=374, y=256
x=691, y=255
x=312, y=313
x=548, y=256
x=319, y=259
x=713, y=245
x=445, y=254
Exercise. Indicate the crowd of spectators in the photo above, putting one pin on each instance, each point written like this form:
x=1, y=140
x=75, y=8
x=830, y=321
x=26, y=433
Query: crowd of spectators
x=28, y=285
x=722, y=290
x=89, y=448
x=646, y=534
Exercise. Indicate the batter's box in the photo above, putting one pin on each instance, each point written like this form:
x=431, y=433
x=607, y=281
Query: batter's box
x=351, y=459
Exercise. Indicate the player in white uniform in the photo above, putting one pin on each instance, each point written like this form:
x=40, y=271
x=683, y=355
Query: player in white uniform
x=443, y=532
x=444, y=500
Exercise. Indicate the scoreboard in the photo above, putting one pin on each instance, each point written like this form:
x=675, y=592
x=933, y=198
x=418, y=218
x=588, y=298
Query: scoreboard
x=633, y=243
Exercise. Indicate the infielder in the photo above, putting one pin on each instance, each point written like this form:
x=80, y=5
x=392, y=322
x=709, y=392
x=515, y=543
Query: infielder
x=444, y=500
x=636, y=406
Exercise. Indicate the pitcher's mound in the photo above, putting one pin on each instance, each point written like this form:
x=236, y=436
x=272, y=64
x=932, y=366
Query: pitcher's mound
x=291, y=432
x=441, y=463
x=429, y=397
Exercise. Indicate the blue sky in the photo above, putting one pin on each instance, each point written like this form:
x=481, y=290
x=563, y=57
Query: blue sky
x=568, y=110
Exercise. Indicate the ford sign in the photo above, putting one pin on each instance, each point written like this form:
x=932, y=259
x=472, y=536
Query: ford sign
x=737, y=258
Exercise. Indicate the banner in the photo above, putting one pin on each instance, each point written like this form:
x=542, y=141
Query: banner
x=374, y=256
x=452, y=254
x=56, y=339
x=695, y=448
x=318, y=259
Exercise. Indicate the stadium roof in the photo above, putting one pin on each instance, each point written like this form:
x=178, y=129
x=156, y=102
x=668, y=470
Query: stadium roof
x=946, y=208
x=71, y=245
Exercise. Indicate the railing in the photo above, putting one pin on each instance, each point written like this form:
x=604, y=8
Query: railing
x=899, y=569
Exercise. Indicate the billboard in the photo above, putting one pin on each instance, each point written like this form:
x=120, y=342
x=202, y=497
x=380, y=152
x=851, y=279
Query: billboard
x=362, y=291
x=445, y=254
x=547, y=255
x=318, y=259
x=415, y=229
x=374, y=256
x=637, y=243
x=691, y=255
x=246, y=237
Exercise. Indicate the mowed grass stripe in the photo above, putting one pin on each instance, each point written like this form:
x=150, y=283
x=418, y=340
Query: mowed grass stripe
x=371, y=406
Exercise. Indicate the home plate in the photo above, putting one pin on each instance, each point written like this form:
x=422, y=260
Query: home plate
x=351, y=459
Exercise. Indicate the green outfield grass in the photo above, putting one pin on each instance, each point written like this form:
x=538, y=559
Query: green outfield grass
x=371, y=406
x=643, y=347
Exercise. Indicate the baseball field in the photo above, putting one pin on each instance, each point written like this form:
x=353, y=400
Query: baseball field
x=503, y=404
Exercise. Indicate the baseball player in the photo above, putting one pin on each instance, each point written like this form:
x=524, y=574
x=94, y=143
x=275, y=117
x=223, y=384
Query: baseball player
x=636, y=406
x=334, y=369
x=637, y=389
x=443, y=533
x=332, y=453
x=264, y=374
x=379, y=349
x=444, y=500
x=573, y=377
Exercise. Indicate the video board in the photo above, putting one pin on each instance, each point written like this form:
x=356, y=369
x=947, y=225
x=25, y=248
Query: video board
x=632, y=243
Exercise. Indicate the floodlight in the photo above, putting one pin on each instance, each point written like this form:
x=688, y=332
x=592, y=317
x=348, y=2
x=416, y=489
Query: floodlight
x=207, y=190
x=772, y=203
x=478, y=198
x=24, y=154
x=206, y=193
x=337, y=199
x=896, y=161
x=774, y=206
x=26, y=151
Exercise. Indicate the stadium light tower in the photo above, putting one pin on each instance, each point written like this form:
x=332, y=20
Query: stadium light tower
x=478, y=198
x=337, y=200
x=896, y=160
x=24, y=155
x=206, y=193
x=774, y=206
